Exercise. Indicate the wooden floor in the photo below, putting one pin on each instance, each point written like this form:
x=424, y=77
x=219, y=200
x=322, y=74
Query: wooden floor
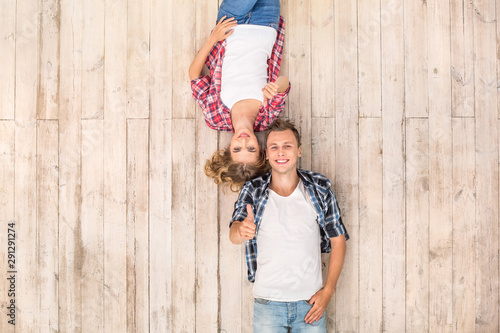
x=118, y=230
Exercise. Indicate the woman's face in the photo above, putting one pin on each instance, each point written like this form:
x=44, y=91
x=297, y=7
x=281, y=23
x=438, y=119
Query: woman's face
x=244, y=147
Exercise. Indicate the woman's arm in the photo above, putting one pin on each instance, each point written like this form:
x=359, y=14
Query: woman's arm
x=220, y=32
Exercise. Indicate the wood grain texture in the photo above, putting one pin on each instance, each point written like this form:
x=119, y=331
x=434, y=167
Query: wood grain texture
x=7, y=169
x=440, y=169
x=25, y=196
x=93, y=59
x=322, y=60
x=464, y=233
x=48, y=223
x=160, y=225
x=8, y=70
x=323, y=152
x=70, y=106
x=347, y=161
x=92, y=284
x=369, y=75
x=462, y=58
x=417, y=225
x=138, y=46
x=370, y=224
x=48, y=88
x=115, y=167
x=393, y=129
x=417, y=32
x=137, y=225
x=183, y=226
x=485, y=103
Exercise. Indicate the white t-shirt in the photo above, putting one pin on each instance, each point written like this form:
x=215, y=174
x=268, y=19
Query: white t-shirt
x=288, y=249
x=244, y=69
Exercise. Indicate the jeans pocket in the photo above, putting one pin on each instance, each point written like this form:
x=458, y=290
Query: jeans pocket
x=262, y=301
x=307, y=302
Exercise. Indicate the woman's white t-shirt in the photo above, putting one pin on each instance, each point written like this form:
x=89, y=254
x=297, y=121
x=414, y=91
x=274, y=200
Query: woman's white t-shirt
x=288, y=249
x=244, y=69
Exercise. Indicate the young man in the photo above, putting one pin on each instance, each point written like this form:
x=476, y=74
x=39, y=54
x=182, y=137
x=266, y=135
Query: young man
x=290, y=216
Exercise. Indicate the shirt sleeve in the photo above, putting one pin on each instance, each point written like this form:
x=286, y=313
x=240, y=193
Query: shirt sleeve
x=240, y=206
x=333, y=221
x=199, y=88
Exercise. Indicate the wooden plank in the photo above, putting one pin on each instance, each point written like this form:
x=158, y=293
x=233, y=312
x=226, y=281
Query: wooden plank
x=323, y=150
x=207, y=230
x=370, y=225
x=115, y=196
x=284, y=69
x=160, y=60
x=26, y=87
x=299, y=62
x=7, y=237
x=346, y=157
x=160, y=225
x=416, y=58
x=70, y=105
x=70, y=250
x=137, y=225
x=93, y=60
x=369, y=76
x=464, y=232
x=417, y=225
x=138, y=59
x=393, y=277
x=92, y=150
x=183, y=226
x=183, y=37
x=440, y=169
x=27, y=311
x=231, y=273
x=47, y=220
x=486, y=113
x=462, y=59
x=322, y=60
x=8, y=47
x=48, y=94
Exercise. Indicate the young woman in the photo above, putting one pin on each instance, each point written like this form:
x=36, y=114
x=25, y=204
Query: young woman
x=244, y=92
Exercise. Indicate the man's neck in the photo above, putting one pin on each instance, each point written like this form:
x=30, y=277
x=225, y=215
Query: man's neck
x=284, y=184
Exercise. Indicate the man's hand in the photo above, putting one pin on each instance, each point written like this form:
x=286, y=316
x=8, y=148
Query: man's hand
x=222, y=29
x=241, y=231
x=320, y=301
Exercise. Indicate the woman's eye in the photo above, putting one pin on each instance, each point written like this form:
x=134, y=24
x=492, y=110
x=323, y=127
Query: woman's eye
x=251, y=149
x=236, y=149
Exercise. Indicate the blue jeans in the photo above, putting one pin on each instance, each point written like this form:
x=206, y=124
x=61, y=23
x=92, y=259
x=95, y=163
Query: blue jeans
x=277, y=317
x=258, y=12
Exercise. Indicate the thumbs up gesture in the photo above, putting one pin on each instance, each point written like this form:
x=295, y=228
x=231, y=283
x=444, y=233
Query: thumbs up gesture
x=243, y=230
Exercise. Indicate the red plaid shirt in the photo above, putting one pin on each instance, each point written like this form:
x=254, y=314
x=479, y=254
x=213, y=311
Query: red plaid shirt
x=206, y=89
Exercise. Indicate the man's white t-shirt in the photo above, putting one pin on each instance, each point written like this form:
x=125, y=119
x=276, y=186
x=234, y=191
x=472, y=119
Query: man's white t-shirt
x=288, y=249
x=244, y=69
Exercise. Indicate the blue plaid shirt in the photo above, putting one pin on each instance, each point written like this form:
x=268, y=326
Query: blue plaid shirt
x=256, y=192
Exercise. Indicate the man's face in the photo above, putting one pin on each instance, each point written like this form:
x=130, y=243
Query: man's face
x=244, y=147
x=283, y=151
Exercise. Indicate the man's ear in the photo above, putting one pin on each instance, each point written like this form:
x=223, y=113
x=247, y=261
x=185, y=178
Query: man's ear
x=300, y=151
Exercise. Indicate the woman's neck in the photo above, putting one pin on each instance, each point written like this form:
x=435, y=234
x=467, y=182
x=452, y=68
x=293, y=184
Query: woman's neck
x=244, y=113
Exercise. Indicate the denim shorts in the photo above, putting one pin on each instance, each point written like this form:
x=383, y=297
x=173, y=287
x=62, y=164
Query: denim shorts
x=257, y=12
x=278, y=317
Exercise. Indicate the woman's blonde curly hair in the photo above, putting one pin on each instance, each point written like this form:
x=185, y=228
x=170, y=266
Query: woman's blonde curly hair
x=234, y=175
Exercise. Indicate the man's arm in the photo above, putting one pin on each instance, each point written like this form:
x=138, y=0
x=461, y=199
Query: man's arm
x=219, y=33
x=321, y=299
